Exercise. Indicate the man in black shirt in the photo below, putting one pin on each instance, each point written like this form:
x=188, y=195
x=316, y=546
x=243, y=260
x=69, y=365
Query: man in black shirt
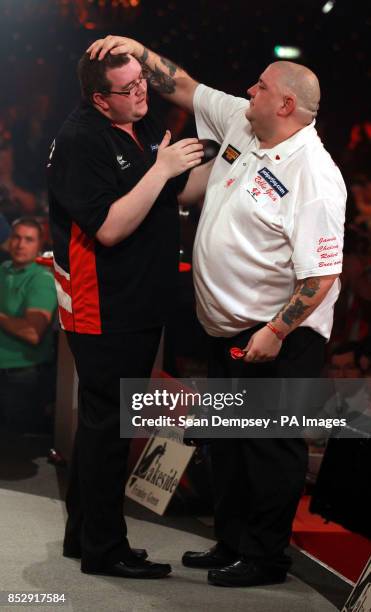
x=113, y=186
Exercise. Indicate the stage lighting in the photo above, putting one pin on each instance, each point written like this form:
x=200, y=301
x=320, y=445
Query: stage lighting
x=328, y=6
x=286, y=52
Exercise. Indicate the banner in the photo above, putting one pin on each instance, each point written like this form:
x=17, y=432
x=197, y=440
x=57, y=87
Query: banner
x=360, y=597
x=159, y=469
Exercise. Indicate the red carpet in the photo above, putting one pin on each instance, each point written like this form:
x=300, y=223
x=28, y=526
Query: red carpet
x=344, y=551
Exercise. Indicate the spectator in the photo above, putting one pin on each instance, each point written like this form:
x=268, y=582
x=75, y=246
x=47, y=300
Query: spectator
x=352, y=312
x=351, y=398
x=343, y=361
x=27, y=304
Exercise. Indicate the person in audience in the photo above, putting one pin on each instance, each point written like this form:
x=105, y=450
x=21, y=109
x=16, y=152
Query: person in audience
x=27, y=304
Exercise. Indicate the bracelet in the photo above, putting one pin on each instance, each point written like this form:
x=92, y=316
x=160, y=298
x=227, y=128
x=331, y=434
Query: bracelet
x=280, y=335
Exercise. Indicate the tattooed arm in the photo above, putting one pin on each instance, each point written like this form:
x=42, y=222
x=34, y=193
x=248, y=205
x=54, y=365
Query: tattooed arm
x=168, y=79
x=264, y=345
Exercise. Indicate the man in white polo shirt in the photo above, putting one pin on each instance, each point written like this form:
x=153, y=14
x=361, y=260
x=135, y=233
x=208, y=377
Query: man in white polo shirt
x=267, y=256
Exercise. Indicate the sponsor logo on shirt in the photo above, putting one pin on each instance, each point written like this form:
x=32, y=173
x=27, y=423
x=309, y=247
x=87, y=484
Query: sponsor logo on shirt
x=229, y=182
x=230, y=154
x=273, y=182
x=123, y=162
x=328, y=248
x=254, y=192
x=261, y=191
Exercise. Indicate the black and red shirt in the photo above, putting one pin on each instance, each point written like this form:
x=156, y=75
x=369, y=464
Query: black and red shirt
x=131, y=285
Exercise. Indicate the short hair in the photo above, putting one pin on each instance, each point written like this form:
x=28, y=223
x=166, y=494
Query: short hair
x=93, y=73
x=346, y=347
x=28, y=222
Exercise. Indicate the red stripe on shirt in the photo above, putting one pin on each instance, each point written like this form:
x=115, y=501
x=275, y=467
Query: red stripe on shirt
x=84, y=283
x=63, y=281
x=66, y=317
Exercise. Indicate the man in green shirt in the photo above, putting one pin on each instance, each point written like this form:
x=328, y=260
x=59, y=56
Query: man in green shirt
x=27, y=304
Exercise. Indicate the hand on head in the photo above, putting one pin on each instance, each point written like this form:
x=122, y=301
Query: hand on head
x=115, y=45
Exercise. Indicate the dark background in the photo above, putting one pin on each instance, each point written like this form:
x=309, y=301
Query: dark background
x=225, y=44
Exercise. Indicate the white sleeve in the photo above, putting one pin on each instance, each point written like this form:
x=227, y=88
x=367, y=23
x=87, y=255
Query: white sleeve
x=214, y=112
x=318, y=238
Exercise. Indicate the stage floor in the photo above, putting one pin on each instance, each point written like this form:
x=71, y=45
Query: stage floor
x=32, y=519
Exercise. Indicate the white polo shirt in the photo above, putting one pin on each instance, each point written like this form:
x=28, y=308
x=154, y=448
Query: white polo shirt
x=270, y=217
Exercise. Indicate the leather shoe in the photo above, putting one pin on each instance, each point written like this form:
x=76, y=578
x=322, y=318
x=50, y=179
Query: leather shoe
x=246, y=573
x=74, y=552
x=133, y=568
x=218, y=556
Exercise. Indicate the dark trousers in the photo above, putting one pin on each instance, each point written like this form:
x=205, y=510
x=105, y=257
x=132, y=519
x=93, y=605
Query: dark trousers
x=95, y=494
x=24, y=394
x=258, y=482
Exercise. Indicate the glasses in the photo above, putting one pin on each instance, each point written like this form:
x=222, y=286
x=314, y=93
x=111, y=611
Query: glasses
x=132, y=88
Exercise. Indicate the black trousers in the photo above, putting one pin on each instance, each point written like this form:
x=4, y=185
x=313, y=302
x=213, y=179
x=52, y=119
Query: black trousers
x=95, y=493
x=258, y=482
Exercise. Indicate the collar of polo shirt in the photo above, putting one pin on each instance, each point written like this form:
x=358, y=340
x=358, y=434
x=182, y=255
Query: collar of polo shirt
x=284, y=149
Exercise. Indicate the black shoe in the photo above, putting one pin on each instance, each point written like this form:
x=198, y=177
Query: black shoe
x=74, y=552
x=246, y=573
x=135, y=568
x=218, y=556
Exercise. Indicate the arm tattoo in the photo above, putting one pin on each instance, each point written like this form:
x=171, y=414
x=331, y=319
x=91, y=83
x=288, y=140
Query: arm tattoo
x=294, y=311
x=161, y=82
x=144, y=57
x=310, y=287
x=169, y=65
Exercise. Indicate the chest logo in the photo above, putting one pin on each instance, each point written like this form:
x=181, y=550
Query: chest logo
x=261, y=191
x=254, y=192
x=273, y=181
x=229, y=182
x=230, y=154
x=123, y=163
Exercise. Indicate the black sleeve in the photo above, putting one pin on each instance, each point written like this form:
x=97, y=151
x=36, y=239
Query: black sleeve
x=180, y=181
x=83, y=179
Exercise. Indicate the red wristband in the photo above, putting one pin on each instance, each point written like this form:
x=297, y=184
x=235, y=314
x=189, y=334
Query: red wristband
x=280, y=335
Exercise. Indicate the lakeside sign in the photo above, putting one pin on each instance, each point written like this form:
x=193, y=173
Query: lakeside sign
x=360, y=598
x=158, y=470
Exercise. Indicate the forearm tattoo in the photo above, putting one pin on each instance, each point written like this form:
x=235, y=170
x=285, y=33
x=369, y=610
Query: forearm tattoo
x=169, y=65
x=310, y=286
x=144, y=57
x=157, y=78
x=294, y=310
